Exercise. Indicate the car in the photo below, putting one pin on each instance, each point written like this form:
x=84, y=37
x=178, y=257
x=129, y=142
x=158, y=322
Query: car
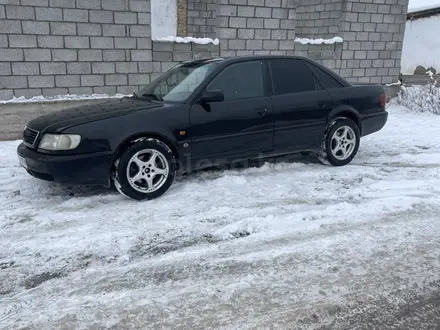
x=205, y=113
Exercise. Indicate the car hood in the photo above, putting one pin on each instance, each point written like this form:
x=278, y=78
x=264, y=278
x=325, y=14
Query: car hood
x=60, y=120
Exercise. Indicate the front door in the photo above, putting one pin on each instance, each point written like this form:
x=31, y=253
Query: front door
x=241, y=126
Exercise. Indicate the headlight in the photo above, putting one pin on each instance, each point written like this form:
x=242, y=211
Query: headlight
x=59, y=141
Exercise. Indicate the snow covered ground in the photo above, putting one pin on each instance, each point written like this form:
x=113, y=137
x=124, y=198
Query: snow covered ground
x=58, y=98
x=292, y=244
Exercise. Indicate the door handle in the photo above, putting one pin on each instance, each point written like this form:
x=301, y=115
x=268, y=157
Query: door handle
x=321, y=105
x=261, y=112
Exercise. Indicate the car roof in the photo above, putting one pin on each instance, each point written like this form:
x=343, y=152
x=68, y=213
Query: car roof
x=226, y=60
x=246, y=57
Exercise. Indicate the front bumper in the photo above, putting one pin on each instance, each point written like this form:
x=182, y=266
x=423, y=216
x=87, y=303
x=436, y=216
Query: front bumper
x=85, y=169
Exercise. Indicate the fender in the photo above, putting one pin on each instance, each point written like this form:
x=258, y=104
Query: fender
x=345, y=111
x=166, y=138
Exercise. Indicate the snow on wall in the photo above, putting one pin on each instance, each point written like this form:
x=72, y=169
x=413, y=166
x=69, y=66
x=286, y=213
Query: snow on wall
x=319, y=41
x=421, y=44
x=419, y=5
x=185, y=40
x=163, y=18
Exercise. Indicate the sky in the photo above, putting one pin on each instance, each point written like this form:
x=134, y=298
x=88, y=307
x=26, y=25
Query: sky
x=417, y=5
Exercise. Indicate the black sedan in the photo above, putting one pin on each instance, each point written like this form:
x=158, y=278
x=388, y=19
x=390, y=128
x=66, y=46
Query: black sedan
x=200, y=114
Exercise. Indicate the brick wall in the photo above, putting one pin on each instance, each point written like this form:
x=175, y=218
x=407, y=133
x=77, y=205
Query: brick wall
x=270, y=27
x=328, y=55
x=182, y=17
x=319, y=18
x=202, y=16
x=260, y=28
x=55, y=47
x=51, y=47
x=168, y=54
x=373, y=40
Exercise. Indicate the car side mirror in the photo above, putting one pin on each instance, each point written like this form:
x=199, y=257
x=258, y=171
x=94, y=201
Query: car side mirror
x=212, y=96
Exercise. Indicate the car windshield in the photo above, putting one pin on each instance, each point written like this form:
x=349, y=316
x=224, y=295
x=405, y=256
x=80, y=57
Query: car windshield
x=179, y=82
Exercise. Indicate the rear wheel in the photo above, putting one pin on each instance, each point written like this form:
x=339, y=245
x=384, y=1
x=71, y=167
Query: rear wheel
x=145, y=170
x=341, y=142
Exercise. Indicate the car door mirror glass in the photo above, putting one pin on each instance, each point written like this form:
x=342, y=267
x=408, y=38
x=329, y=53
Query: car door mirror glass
x=213, y=96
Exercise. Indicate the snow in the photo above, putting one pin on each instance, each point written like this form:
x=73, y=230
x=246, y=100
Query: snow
x=200, y=41
x=421, y=44
x=421, y=98
x=420, y=5
x=320, y=41
x=239, y=248
x=57, y=98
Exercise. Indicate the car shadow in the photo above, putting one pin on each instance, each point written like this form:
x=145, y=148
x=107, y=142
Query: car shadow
x=305, y=158
x=66, y=191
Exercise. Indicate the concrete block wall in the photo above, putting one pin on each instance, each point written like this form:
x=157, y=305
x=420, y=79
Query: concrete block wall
x=202, y=16
x=318, y=18
x=373, y=40
x=328, y=55
x=182, y=17
x=257, y=28
x=168, y=54
x=52, y=47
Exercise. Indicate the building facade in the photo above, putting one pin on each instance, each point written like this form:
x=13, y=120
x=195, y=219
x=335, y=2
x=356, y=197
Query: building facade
x=421, y=45
x=56, y=47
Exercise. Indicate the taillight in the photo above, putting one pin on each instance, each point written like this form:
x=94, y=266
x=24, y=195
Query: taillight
x=383, y=100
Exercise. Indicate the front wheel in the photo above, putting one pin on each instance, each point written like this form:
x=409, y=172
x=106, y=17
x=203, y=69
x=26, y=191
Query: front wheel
x=341, y=142
x=145, y=170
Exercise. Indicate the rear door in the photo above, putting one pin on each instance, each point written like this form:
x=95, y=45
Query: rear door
x=241, y=126
x=301, y=106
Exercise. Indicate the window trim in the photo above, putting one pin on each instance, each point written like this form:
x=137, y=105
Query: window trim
x=270, y=70
x=264, y=77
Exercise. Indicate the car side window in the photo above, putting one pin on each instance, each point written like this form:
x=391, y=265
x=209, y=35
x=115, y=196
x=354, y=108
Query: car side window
x=292, y=76
x=240, y=81
x=326, y=80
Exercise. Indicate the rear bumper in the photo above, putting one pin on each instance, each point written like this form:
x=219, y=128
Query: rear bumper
x=86, y=169
x=374, y=122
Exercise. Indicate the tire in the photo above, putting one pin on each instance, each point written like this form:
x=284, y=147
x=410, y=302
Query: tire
x=136, y=172
x=337, y=149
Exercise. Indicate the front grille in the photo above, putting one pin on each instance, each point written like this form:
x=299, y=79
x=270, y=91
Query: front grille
x=30, y=136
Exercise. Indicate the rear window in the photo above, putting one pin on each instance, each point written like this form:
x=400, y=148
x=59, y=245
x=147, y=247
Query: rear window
x=292, y=76
x=326, y=80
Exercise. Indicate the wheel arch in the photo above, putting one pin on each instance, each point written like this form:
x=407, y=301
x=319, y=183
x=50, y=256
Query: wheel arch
x=346, y=112
x=152, y=135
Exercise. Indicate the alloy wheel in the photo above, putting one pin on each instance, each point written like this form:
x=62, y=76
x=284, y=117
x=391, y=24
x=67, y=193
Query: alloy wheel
x=147, y=170
x=343, y=142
